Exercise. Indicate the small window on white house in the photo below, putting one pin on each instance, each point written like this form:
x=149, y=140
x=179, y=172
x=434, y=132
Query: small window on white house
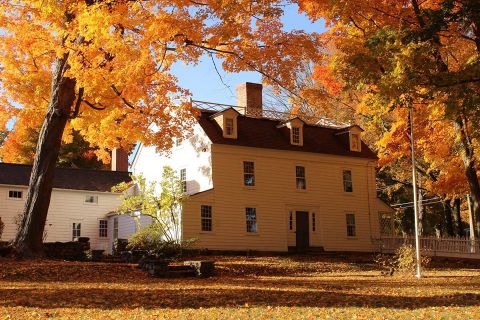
x=183, y=179
x=251, y=215
x=347, y=181
x=76, y=230
x=300, y=178
x=15, y=194
x=103, y=228
x=229, y=127
x=178, y=142
x=351, y=228
x=355, y=142
x=115, y=228
x=91, y=199
x=206, y=216
x=248, y=173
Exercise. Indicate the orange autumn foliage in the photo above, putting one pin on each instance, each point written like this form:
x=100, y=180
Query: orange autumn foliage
x=391, y=55
x=120, y=53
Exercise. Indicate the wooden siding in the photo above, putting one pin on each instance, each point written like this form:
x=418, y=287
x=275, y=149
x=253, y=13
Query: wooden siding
x=66, y=207
x=274, y=194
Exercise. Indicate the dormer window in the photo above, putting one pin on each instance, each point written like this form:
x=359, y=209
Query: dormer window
x=229, y=127
x=227, y=120
x=295, y=135
x=351, y=137
x=355, y=144
x=295, y=127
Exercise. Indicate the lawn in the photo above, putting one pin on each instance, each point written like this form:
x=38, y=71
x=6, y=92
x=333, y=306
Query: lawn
x=244, y=288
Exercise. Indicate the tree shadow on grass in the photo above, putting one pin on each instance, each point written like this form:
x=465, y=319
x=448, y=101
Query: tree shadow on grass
x=105, y=298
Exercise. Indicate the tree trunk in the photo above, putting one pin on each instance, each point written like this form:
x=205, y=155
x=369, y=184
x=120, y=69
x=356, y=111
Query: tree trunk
x=447, y=209
x=470, y=170
x=457, y=218
x=28, y=242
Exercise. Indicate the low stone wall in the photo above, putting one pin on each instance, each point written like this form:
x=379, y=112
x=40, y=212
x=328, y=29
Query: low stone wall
x=163, y=269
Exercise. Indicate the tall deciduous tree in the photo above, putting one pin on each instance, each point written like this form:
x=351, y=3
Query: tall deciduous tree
x=411, y=54
x=75, y=152
x=103, y=68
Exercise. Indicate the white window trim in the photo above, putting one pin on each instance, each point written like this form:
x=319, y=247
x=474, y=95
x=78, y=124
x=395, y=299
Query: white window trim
x=249, y=187
x=212, y=219
x=90, y=203
x=183, y=182
x=355, y=225
x=102, y=219
x=232, y=134
x=13, y=198
x=305, y=177
x=78, y=222
x=256, y=219
x=348, y=193
x=300, y=136
x=359, y=141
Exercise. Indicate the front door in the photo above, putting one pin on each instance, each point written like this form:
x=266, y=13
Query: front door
x=302, y=231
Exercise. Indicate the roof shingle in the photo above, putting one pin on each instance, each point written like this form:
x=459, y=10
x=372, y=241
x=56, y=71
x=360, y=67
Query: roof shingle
x=265, y=133
x=65, y=178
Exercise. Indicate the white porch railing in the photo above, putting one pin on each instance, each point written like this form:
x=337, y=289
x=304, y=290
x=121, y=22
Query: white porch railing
x=269, y=114
x=432, y=246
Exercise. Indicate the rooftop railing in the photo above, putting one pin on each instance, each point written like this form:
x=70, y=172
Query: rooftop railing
x=269, y=114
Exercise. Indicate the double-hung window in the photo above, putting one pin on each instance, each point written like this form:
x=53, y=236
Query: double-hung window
x=351, y=228
x=102, y=228
x=206, y=217
x=229, y=127
x=115, y=228
x=347, y=181
x=251, y=215
x=76, y=230
x=183, y=180
x=295, y=135
x=15, y=194
x=300, y=178
x=92, y=199
x=248, y=173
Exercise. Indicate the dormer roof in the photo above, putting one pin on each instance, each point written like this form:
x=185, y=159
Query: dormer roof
x=226, y=111
x=353, y=128
x=294, y=120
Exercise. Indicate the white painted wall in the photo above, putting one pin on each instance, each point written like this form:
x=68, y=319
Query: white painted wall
x=127, y=226
x=66, y=207
x=194, y=154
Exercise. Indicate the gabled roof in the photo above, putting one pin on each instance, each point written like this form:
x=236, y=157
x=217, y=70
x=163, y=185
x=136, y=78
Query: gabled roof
x=215, y=114
x=65, y=178
x=264, y=133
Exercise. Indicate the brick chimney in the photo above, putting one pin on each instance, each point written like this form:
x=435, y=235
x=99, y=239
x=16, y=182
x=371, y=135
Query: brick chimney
x=119, y=160
x=249, y=96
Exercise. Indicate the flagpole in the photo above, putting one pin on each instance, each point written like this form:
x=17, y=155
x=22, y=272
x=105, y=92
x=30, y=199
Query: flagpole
x=415, y=200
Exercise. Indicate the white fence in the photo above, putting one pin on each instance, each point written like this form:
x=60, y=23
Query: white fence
x=432, y=246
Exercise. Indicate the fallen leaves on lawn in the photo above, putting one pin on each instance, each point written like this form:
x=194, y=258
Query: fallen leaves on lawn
x=248, y=288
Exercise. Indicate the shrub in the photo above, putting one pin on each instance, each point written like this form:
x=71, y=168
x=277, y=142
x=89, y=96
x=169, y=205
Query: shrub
x=150, y=240
x=407, y=260
x=403, y=261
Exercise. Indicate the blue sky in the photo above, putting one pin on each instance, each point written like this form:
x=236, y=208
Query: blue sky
x=203, y=81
